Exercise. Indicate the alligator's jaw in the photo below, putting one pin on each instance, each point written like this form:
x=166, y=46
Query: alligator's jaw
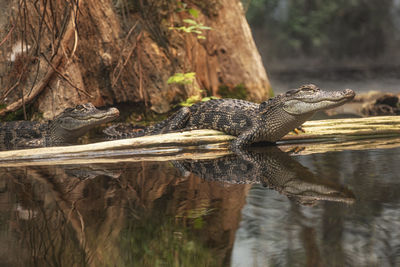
x=285, y=112
x=318, y=101
x=87, y=122
x=73, y=123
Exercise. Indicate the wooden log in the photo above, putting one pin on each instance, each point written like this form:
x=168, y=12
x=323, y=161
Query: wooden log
x=321, y=136
x=146, y=145
x=345, y=129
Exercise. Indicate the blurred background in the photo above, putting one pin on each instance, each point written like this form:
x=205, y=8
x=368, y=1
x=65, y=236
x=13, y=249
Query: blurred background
x=335, y=44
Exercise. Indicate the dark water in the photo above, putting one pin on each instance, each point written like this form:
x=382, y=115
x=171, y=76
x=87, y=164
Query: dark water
x=260, y=208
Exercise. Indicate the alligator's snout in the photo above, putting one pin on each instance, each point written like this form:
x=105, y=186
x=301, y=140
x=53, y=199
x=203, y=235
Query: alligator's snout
x=114, y=112
x=348, y=93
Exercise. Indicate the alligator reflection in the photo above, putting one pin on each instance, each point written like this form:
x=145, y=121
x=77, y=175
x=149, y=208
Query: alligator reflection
x=272, y=168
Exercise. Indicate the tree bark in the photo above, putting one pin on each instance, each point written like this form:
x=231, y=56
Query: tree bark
x=125, y=53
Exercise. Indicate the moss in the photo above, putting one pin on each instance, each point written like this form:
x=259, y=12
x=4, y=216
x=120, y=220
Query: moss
x=13, y=116
x=271, y=92
x=17, y=115
x=238, y=92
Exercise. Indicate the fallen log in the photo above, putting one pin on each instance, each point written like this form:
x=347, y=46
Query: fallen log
x=321, y=136
x=348, y=129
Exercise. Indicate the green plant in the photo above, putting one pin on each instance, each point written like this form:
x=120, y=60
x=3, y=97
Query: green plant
x=182, y=7
x=182, y=78
x=196, y=216
x=186, y=78
x=195, y=99
x=194, y=27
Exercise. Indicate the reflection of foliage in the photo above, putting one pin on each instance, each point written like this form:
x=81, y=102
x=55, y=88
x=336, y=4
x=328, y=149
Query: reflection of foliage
x=162, y=242
x=196, y=216
x=344, y=28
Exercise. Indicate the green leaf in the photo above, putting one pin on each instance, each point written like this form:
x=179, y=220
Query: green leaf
x=190, y=74
x=182, y=78
x=205, y=99
x=194, y=12
x=190, y=21
x=202, y=27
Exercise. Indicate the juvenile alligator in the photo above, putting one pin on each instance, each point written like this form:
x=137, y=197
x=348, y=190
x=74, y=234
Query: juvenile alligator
x=250, y=122
x=63, y=129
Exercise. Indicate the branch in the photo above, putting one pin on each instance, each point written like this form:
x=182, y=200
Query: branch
x=56, y=62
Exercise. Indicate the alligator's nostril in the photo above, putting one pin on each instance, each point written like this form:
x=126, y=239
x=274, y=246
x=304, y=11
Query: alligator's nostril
x=349, y=93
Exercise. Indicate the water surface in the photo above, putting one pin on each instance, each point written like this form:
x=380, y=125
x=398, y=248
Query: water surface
x=259, y=208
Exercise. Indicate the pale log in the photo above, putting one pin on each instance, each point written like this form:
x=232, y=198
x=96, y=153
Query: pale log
x=321, y=136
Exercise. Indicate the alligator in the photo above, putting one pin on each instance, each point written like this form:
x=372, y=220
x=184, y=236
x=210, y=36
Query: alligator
x=272, y=168
x=250, y=122
x=65, y=128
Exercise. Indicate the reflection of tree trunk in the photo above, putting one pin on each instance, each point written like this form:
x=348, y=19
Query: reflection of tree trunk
x=220, y=203
x=332, y=227
x=109, y=59
x=224, y=203
x=310, y=244
x=332, y=221
x=95, y=227
x=88, y=220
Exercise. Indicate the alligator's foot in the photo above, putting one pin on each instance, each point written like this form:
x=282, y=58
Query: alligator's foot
x=296, y=150
x=299, y=129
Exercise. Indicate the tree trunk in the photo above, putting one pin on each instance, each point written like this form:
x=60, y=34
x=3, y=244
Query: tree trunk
x=107, y=52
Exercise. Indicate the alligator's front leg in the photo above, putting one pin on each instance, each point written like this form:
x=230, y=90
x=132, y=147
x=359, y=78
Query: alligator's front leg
x=243, y=140
x=177, y=121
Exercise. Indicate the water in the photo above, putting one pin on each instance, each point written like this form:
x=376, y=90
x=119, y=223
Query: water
x=260, y=208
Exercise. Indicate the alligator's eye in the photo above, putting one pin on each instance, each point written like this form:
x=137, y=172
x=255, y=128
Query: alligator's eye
x=291, y=92
x=309, y=88
x=80, y=107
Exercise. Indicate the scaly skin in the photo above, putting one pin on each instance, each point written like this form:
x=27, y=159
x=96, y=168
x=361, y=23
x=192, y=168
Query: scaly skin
x=251, y=122
x=66, y=128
